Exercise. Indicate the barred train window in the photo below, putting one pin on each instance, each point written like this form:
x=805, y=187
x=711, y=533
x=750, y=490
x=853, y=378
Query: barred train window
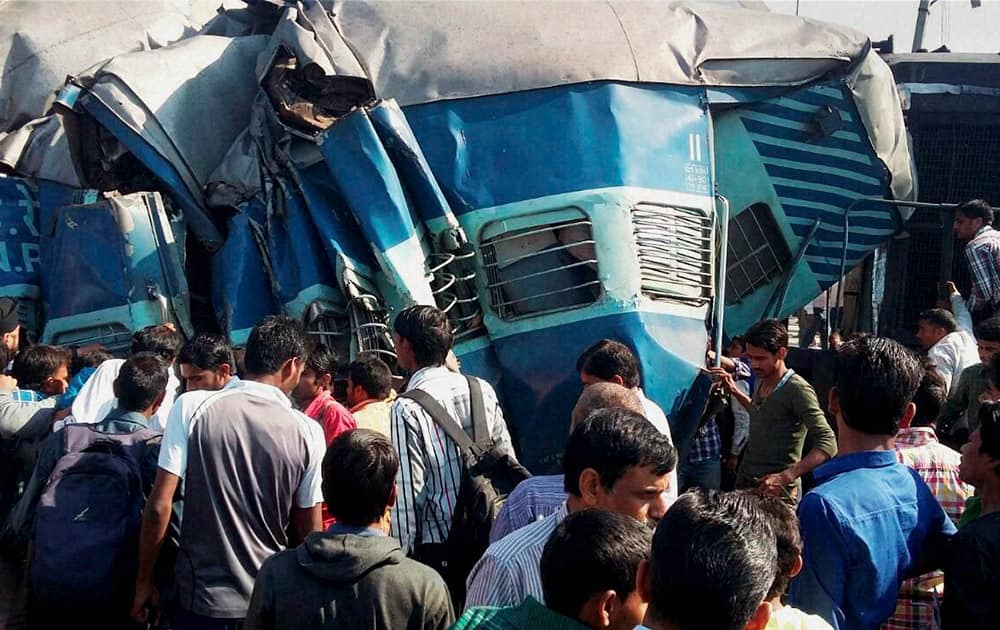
x=757, y=252
x=546, y=266
x=675, y=251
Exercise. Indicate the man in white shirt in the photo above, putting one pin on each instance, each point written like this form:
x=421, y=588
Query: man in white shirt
x=250, y=464
x=97, y=397
x=948, y=339
x=611, y=361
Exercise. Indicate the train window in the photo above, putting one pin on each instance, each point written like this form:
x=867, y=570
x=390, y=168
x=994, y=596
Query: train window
x=542, y=267
x=757, y=252
x=675, y=251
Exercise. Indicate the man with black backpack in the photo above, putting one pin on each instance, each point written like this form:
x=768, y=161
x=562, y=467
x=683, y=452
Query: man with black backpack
x=81, y=508
x=454, y=450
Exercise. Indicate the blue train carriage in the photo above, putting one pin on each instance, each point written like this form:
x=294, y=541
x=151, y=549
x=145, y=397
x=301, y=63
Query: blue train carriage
x=594, y=179
x=548, y=190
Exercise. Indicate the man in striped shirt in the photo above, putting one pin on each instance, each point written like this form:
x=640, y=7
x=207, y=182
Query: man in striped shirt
x=974, y=223
x=615, y=460
x=430, y=471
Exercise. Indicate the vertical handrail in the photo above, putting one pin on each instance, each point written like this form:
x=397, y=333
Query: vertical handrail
x=720, y=282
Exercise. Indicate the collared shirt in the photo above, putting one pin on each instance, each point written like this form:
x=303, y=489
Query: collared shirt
x=374, y=414
x=508, y=571
x=331, y=415
x=957, y=350
x=532, y=500
x=982, y=254
x=528, y=614
x=430, y=464
x=918, y=448
x=864, y=527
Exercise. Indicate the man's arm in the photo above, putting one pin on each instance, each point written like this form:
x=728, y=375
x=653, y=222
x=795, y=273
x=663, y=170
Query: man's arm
x=307, y=514
x=976, y=295
x=27, y=420
x=21, y=522
x=155, y=520
x=307, y=520
x=820, y=587
x=410, y=478
x=961, y=312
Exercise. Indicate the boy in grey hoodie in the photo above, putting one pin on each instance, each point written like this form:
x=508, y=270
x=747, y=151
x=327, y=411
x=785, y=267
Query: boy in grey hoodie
x=353, y=575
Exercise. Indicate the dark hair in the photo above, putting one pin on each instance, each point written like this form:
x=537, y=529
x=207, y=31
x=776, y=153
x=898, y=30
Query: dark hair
x=988, y=330
x=609, y=358
x=769, y=334
x=273, y=341
x=359, y=474
x=940, y=318
x=989, y=429
x=322, y=360
x=429, y=332
x=932, y=392
x=787, y=538
x=207, y=352
x=611, y=441
x=159, y=339
x=37, y=363
x=976, y=209
x=876, y=379
x=372, y=375
x=714, y=558
x=590, y=552
x=141, y=380
x=89, y=359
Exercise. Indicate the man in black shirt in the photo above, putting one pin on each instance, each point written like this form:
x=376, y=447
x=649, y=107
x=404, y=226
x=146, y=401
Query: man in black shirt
x=972, y=575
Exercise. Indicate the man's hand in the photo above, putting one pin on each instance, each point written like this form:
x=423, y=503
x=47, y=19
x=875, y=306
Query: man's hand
x=7, y=383
x=146, y=605
x=950, y=288
x=730, y=462
x=775, y=484
x=723, y=379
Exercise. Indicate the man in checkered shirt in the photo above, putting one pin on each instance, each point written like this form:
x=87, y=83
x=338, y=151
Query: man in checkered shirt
x=917, y=446
x=974, y=223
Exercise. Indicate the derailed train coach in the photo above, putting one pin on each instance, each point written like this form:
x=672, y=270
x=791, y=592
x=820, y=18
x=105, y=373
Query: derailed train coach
x=549, y=173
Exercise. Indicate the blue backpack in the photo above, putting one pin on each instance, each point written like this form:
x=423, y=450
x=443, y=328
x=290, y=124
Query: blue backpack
x=86, y=542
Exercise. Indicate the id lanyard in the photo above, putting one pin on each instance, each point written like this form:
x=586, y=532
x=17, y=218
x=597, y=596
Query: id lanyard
x=781, y=383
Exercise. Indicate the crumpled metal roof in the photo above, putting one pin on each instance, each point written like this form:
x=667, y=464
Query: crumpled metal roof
x=424, y=51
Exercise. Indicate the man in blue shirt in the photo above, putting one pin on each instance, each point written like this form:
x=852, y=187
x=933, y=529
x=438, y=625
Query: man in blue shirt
x=870, y=522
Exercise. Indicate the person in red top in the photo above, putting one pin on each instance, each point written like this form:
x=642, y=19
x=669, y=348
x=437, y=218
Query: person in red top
x=314, y=396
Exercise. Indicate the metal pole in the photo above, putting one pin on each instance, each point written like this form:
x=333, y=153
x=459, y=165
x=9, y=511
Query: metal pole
x=923, y=10
x=720, y=282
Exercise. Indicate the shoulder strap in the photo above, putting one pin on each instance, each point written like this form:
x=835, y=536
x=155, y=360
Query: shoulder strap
x=480, y=432
x=440, y=417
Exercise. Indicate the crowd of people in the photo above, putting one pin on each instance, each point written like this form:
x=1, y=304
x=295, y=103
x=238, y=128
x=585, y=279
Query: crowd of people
x=180, y=488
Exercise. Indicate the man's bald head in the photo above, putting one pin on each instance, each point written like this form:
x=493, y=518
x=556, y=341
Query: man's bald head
x=605, y=396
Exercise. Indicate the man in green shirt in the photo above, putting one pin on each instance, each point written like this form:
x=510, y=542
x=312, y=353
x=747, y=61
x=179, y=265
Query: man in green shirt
x=784, y=412
x=588, y=572
x=967, y=396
